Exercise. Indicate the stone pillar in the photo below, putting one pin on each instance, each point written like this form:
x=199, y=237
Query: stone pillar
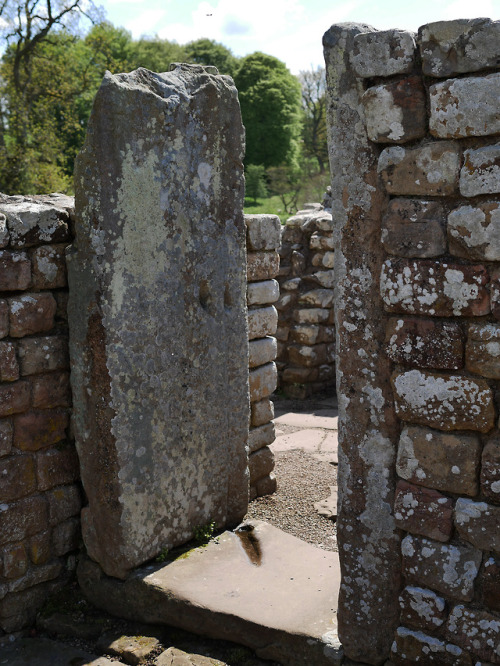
x=159, y=342
x=368, y=432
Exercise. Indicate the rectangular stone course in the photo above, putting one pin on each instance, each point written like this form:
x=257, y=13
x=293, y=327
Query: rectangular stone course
x=480, y=173
x=56, y=467
x=490, y=469
x=34, y=430
x=49, y=267
x=262, y=351
x=478, y=523
x=422, y=608
x=43, y=354
x=383, y=53
x=482, y=352
x=262, y=322
x=474, y=232
x=412, y=647
x=262, y=265
x=475, y=630
x=9, y=367
x=423, y=511
x=414, y=228
x=15, y=271
x=31, y=313
x=263, y=232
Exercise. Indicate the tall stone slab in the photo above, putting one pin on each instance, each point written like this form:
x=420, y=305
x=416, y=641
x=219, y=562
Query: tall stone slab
x=368, y=539
x=159, y=343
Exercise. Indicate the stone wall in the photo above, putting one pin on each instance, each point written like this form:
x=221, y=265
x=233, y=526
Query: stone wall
x=40, y=495
x=416, y=184
x=306, y=334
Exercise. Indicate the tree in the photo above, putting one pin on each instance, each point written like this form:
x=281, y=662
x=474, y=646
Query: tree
x=208, y=52
x=313, y=83
x=255, y=184
x=155, y=54
x=270, y=107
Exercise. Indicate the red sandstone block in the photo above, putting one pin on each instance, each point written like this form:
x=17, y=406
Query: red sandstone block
x=37, y=430
x=9, y=368
x=422, y=608
x=43, y=354
x=15, y=560
x=23, y=518
x=64, y=502
x=15, y=271
x=260, y=464
x=482, y=353
x=66, y=537
x=36, y=576
x=434, y=288
x=475, y=630
x=17, y=477
x=490, y=470
x=414, y=228
x=49, y=267
x=6, y=436
x=56, y=467
x=4, y=318
x=51, y=390
x=478, y=523
x=14, y=398
x=495, y=294
x=40, y=547
x=423, y=511
x=415, y=647
x=31, y=313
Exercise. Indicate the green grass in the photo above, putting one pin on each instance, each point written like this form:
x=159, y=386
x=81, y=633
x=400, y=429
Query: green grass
x=271, y=205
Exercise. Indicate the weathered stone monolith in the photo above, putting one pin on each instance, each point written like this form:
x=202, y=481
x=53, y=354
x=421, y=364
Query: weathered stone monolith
x=159, y=341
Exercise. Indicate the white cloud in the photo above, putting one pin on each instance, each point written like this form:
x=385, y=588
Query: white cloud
x=146, y=23
x=467, y=9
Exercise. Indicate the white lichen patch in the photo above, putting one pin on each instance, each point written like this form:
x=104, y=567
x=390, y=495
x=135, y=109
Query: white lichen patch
x=460, y=292
x=384, y=119
x=477, y=230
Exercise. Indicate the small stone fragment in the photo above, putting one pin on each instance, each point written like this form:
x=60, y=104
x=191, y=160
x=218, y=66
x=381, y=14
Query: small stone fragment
x=132, y=649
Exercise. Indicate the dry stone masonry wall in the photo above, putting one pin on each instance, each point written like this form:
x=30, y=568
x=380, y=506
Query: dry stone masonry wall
x=40, y=496
x=306, y=333
x=420, y=114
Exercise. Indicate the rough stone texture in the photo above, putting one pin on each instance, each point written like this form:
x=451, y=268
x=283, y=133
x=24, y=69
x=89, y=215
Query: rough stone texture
x=49, y=267
x=446, y=402
x=422, y=608
x=262, y=351
x=495, y=293
x=43, y=354
x=262, y=412
x=261, y=293
x=490, y=469
x=446, y=461
x=446, y=568
x=434, y=288
x=261, y=436
x=395, y=112
x=174, y=195
x=474, y=232
x=428, y=170
x=383, y=53
x=423, y=511
x=482, y=353
x=480, y=173
x=460, y=46
x=15, y=271
x=490, y=583
x=475, y=630
x=425, y=343
x=368, y=431
x=478, y=523
x=263, y=232
x=412, y=647
x=262, y=322
x=465, y=107
x=262, y=265
x=263, y=381
x=414, y=228
x=36, y=220
x=31, y=313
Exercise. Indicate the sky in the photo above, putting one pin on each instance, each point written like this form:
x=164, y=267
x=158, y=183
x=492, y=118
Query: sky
x=290, y=30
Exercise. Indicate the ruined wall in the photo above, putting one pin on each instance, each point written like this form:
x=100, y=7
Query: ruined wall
x=39, y=493
x=306, y=334
x=417, y=117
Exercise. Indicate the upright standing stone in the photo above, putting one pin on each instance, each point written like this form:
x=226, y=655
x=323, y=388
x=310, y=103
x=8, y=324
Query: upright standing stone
x=158, y=315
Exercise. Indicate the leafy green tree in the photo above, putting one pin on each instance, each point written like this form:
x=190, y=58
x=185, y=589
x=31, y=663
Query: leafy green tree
x=255, y=183
x=208, y=52
x=155, y=54
x=270, y=107
x=313, y=84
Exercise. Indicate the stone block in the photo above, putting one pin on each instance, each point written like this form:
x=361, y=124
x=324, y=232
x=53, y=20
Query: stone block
x=441, y=460
x=43, y=354
x=395, y=112
x=474, y=232
x=495, y=294
x=261, y=464
x=282, y=333
x=15, y=271
x=307, y=356
x=423, y=511
x=325, y=278
x=320, y=242
x=262, y=412
x=383, y=53
x=262, y=322
x=306, y=335
x=56, y=467
x=328, y=260
x=6, y=435
x=317, y=259
x=291, y=285
x=285, y=302
x=480, y=173
x=459, y=46
x=490, y=470
x=425, y=343
x=267, y=485
x=18, y=477
x=291, y=234
x=262, y=351
x=263, y=232
x=34, y=223
x=262, y=381
x=9, y=367
x=430, y=170
x=15, y=560
x=4, y=318
x=31, y=313
x=422, y=608
x=14, y=398
x=465, y=107
x=66, y=537
x=64, y=502
x=40, y=547
x=22, y=519
x=51, y=390
x=49, y=267
x=482, y=352
x=300, y=375
x=261, y=436
x=4, y=231
x=445, y=402
x=414, y=228
x=475, y=630
x=446, y=568
x=311, y=315
x=40, y=429
x=478, y=523
x=489, y=583
x=427, y=287
x=317, y=298
x=298, y=262
x=262, y=265
x=413, y=647
x=260, y=293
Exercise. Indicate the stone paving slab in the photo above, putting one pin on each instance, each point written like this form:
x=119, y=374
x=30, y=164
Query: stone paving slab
x=44, y=652
x=257, y=586
x=327, y=418
x=322, y=445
